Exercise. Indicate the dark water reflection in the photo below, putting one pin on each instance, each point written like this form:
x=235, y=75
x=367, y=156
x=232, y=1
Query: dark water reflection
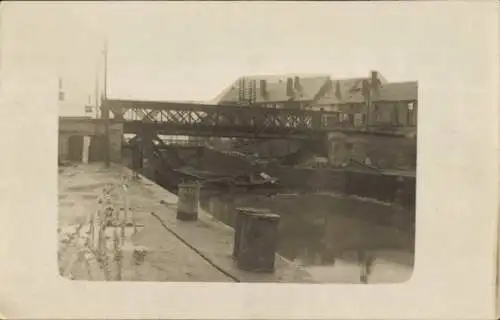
x=318, y=228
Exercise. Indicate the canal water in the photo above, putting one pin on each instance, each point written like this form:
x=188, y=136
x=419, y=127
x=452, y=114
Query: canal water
x=325, y=232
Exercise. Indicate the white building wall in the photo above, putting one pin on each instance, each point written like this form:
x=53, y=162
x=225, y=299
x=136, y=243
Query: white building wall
x=48, y=42
x=80, y=66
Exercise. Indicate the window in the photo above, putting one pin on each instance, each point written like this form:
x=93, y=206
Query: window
x=60, y=83
x=411, y=114
x=88, y=109
x=359, y=119
x=61, y=95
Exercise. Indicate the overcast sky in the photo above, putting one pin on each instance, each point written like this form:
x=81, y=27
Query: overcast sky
x=191, y=51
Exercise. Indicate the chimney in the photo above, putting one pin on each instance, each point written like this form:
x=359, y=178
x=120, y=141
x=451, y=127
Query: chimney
x=289, y=87
x=263, y=88
x=296, y=84
x=375, y=82
x=366, y=89
x=338, y=93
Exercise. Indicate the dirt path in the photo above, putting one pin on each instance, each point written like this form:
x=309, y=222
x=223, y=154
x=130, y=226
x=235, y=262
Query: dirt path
x=148, y=251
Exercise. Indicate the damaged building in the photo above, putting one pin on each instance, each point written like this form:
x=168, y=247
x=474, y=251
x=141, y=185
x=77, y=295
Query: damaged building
x=387, y=110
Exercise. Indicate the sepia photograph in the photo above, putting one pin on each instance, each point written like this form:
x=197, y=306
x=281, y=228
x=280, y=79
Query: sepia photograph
x=249, y=160
x=302, y=175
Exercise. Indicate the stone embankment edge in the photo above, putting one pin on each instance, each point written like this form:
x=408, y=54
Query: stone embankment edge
x=212, y=219
x=207, y=259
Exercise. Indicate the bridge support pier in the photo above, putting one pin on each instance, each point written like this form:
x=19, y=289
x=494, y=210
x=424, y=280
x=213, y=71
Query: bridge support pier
x=147, y=169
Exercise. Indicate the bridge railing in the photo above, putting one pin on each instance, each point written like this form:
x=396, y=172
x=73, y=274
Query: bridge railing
x=228, y=120
x=218, y=115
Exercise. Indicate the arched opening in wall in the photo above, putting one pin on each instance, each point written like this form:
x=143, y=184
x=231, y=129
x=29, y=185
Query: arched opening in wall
x=75, y=148
x=97, y=148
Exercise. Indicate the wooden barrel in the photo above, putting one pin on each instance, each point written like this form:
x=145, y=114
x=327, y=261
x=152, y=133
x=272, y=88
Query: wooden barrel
x=240, y=220
x=258, y=241
x=188, y=200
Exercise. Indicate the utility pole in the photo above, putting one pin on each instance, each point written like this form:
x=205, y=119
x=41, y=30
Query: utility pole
x=105, y=110
x=105, y=68
x=97, y=94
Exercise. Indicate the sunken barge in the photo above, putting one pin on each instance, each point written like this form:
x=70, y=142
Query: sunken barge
x=229, y=171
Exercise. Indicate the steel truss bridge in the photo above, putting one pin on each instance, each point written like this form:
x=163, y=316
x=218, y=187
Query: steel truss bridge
x=149, y=119
x=192, y=119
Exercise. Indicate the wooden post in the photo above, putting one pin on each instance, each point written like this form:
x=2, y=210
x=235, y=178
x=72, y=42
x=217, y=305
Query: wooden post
x=99, y=224
x=134, y=225
x=117, y=254
x=125, y=212
x=103, y=250
x=258, y=242
x=147, y=153
x=188, y=200
x=92, y=232
x=240, y=215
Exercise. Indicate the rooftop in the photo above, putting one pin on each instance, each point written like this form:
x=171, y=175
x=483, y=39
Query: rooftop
x=276, y=88
x=344, y=91
x=351, y=91
x=399, y=91
x=320, y=87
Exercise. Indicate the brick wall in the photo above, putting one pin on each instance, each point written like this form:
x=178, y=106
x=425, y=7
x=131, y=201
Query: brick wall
x=95, y=130
x=394, y=113
x=385, y=152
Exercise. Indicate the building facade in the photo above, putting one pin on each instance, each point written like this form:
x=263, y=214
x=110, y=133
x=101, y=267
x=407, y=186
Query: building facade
x=369, y=102
x=354, y=101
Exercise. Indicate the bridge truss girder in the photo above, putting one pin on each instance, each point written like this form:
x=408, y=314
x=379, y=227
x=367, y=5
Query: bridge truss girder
x=218, y=120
